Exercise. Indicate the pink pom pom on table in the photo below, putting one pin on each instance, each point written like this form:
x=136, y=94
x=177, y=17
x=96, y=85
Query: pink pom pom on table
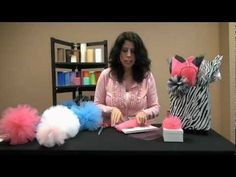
x=19, y=124
x=171, y=122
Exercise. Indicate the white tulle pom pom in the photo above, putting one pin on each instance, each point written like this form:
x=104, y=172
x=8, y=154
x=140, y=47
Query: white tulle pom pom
x=57, y=124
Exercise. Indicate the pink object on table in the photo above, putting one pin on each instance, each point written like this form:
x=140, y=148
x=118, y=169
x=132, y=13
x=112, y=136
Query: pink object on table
x=151, y=135
x=18, y=125
x=128, y=124
x=171, y=122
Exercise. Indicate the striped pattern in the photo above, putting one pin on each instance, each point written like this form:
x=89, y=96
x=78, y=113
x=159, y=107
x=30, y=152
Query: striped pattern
x=194, y=108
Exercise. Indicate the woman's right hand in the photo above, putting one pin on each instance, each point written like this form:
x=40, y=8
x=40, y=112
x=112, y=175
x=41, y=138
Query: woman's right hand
x=116, y=116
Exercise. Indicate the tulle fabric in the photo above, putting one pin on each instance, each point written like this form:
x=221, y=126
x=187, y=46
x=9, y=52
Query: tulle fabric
x=128, y=124
x=151, y=135
x=89, y=115
x=171, y=122
x=19, y=124
x=58, y=123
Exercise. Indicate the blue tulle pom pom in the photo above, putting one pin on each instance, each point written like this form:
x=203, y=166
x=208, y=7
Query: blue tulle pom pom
x=69, y=103
x=89, y=114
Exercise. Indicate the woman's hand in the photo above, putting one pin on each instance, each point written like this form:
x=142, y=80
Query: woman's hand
x=116, y=116
x=141, y=118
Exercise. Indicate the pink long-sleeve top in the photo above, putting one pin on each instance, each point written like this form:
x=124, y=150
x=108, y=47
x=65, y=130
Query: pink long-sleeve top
x=142, y=96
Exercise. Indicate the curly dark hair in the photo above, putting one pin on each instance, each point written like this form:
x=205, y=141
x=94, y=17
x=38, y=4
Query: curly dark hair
x=142, y=63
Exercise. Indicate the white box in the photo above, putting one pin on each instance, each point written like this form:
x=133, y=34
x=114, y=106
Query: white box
x=173, y=135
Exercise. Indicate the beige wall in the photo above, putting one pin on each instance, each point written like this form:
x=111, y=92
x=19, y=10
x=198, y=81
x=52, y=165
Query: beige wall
x=227, y=48
x=224, y=49
x=25, y=61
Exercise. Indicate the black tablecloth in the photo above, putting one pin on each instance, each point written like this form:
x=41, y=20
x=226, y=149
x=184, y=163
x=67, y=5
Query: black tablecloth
x=113, y=142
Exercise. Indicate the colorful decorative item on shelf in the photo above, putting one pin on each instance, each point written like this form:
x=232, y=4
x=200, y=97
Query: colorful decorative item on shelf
x=68, y=55
x=97, y=75
x=92, y=78
x=60, y=55
x=98, y=55
x=60, y=78
x=75, y=57
x=76, y=79
x=86, y=78
x=83, y=51
x=90, y=55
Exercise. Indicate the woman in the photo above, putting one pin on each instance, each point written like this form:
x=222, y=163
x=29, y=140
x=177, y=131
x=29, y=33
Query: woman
x=127, y=88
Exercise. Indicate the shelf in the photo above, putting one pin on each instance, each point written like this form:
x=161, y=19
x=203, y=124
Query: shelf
x=55, y=66
x=80, y=65
x=70, y=88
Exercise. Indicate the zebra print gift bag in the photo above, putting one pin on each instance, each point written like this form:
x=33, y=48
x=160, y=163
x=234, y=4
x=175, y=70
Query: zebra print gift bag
x=188, y=88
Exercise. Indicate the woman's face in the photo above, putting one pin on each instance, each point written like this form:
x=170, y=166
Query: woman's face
x=127, y=56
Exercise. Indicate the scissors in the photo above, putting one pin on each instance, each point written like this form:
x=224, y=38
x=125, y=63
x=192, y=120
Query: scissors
x=103, y=125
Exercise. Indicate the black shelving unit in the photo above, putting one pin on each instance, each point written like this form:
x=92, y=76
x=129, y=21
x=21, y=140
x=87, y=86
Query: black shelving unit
x=73, y=66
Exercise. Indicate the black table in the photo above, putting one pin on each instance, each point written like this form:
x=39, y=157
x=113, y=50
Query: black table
x=116, y=143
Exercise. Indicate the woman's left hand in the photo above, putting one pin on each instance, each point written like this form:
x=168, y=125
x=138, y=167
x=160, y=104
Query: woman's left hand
x=141, y=118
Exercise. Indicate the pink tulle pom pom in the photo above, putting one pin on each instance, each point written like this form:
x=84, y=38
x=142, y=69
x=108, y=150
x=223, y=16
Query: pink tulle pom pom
x=19, y=124
x=171, y=122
